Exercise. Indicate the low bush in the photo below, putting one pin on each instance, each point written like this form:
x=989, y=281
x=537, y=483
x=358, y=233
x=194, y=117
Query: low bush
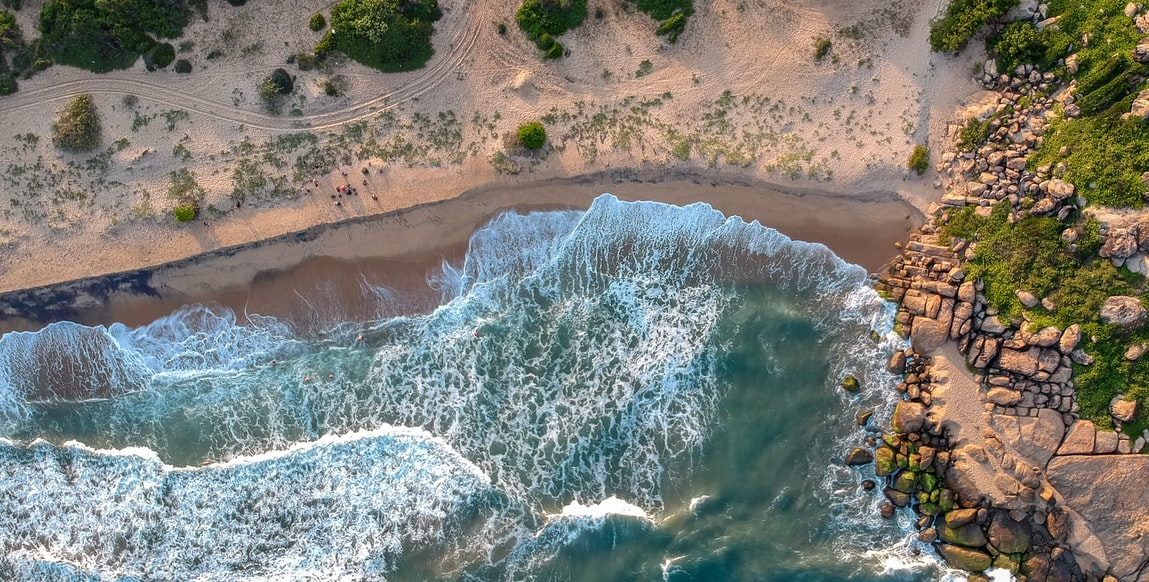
x=102, y=36
x=962, y=20
x=672, y=27
x=543, y=20
x=670, y=14
x=822, y=48
x=532, y=135
x=317, y=22
x=186, y=212
x=274, y=87
x=388, y=35
x=77, y=126
x=183, y=66
x=159, y=56
x=919, y=159
x=1018, y=43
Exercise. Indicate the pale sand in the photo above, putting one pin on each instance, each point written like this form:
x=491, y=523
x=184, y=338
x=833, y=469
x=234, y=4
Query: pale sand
x=857, y=117
x=399, y=250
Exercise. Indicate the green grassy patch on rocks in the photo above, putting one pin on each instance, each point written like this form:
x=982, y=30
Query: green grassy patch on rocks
x=383, y=34
x=1104, y=157
x=1031, y=255
x=962, y=20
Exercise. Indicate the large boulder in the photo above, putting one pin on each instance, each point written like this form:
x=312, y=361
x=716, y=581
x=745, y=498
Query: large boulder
x=1123, y=410
x=1007, y=535
x=927, y=335
x=1069, y=339
x=1060, y=189
x=961, y=558
x=1120, y=244
x=885, y=462
x=969, y=535
x=1027, y=299
x=1141, y=51
x=1023, y=363
x=1046, y=337
x=1124, y=311
x=1109, y=495
x=858, y=456
x=909, y=417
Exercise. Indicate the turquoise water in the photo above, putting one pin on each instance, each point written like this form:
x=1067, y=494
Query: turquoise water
x=634, y=392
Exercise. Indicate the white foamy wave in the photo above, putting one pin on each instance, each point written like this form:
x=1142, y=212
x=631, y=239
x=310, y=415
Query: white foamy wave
x=74, y=362
x=608, y=506
x=341, y=508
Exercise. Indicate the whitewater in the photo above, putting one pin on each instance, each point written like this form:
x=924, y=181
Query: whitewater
x=637, y=391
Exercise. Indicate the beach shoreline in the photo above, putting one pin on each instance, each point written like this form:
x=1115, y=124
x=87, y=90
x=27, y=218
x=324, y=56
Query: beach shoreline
x=400, y=248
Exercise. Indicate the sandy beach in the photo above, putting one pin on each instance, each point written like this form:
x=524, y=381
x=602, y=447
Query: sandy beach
x=737, y=100
x=398, y=250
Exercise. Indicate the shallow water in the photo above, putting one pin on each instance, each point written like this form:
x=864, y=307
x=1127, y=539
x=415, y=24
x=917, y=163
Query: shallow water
x=634, y=392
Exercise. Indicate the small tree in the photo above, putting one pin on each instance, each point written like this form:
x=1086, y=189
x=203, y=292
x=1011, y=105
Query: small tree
x=77, y=126
x=274, y=87
x=183, y=66
x=532, y=135
x=185, y=213
x=317, y=23
x=919, y=159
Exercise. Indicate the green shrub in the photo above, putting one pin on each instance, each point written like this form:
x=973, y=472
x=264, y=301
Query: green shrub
x=962, y=20
x=186, y=212
x=160, y=56
x=1018, y=44
x=501, y=28
x=102, y=36
x=919, y=159
x=317, y=22
x=330, y=89
x=532, y=135
x=670, y=14
x=77, y=126
x=184, y=189
x=822, y=48
x=672, y=27
x=555, y=51
x=183, y=66
x=644, y=68
x=388, y=35
x=663, y=9
x=543, y=20
x=974, y=133
x=8, y=84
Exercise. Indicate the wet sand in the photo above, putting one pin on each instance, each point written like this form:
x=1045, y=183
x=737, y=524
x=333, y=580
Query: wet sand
x=328, y=272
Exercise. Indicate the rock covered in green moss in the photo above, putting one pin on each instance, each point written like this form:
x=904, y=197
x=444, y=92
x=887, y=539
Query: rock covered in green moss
x=964, y=558
x=851, y=384
x=884, y=463
x=859, y=456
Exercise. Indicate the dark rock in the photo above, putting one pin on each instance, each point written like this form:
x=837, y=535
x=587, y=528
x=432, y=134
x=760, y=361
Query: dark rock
x=958, y=518
x=859, y=456
x=869, y=485
x=887, y=510
x=967, y=559
x=864, y=417
x=969, y=535
x=896, y=497
x=909, y=417
x=851, y=384
x=1007, y=535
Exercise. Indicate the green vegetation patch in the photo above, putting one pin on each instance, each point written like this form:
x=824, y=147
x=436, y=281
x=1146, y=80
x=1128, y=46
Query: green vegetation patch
x=671, y=14
x=105, y=35
x=532, y=135
x=1031, y=255
x=919, y=159
x=962, y=20
x=317, y=22
x=18, y=59
x=159, y=56
x=1104, y=157
x=388, y=35
x=77, y=126
x=543, y=20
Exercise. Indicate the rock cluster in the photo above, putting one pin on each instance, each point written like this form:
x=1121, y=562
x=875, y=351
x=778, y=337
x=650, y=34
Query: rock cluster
x=917, y=465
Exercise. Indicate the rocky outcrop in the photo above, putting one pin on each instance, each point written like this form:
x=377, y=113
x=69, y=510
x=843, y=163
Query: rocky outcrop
x=1107, y=503
x=1124, y=311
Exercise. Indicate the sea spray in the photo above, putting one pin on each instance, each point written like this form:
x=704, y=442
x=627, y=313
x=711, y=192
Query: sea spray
x=639, y=352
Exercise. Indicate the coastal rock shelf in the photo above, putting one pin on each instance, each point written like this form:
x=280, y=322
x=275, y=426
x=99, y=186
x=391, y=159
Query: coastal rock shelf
x=1034, y=487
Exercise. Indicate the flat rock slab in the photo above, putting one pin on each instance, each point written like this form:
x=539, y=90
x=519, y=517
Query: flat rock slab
x=1109, y=493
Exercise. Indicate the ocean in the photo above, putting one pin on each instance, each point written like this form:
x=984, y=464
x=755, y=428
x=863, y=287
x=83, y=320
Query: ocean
x=637, y=391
